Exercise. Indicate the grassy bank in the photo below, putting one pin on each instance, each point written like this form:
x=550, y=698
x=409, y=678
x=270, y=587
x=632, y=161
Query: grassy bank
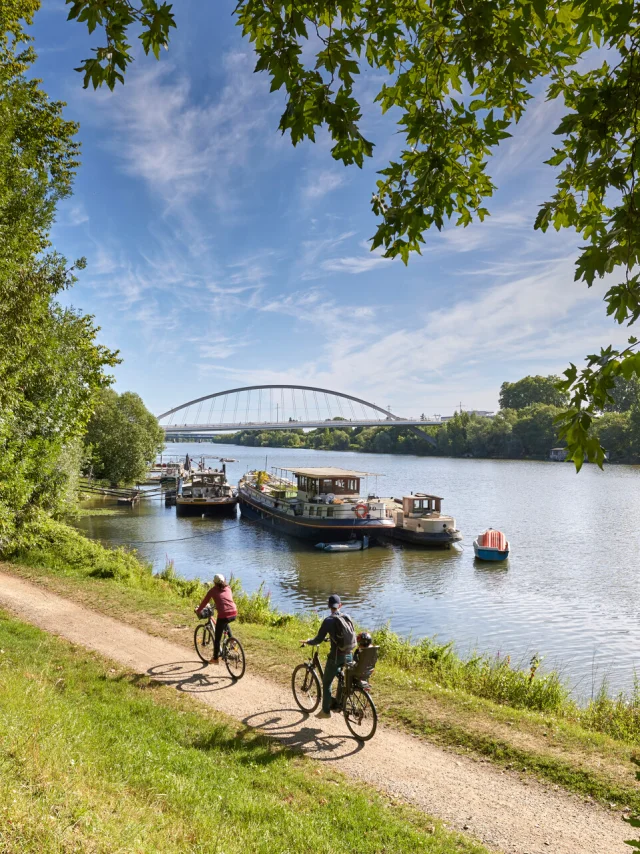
x=95, y=759
x=483, y=705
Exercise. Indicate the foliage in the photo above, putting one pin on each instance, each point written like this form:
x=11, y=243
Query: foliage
x=124, y=437
x=530, y=390
x=95, y=758
x=50, y=365
x=625, y=394
x=457, y=78
x=46, y=542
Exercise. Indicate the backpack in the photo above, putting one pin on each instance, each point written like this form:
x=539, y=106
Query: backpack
x=345, y=634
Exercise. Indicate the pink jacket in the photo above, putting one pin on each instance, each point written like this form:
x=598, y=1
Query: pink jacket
x=223, y=600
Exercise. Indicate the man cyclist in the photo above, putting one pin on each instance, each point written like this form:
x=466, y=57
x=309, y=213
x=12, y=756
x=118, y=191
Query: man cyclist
x=226, y=610
x=339, y=627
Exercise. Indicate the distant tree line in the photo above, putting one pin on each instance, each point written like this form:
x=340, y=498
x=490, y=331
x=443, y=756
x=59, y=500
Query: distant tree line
x=524, y=427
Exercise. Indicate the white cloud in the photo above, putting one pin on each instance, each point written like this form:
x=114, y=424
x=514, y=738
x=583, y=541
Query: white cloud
x=182, y=147
x=355, y=264
x=322, y=182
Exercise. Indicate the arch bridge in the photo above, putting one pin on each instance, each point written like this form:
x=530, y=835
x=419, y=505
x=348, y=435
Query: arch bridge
x=281, y=407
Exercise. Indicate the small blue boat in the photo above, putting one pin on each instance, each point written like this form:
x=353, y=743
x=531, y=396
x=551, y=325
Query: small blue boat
x=352, y=546
x=492, y=545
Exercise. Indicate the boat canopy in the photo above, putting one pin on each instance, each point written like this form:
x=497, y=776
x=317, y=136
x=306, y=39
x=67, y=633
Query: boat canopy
x=327, y=472
x=420, y=503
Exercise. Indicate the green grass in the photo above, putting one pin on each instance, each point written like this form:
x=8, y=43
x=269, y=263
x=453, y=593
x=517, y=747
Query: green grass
x=94, y=759
x=514, y=717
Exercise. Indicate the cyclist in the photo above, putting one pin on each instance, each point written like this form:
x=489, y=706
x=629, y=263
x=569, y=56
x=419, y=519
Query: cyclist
x=226, y=610
x=339, y=627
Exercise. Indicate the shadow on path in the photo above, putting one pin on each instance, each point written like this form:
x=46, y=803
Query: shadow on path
x=190, y=677
x=287, y=725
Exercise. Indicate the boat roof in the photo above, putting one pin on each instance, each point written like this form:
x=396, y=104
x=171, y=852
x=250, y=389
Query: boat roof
x=424, y=495
x=326, y=472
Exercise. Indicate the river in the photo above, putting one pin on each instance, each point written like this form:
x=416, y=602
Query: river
x=570, y=590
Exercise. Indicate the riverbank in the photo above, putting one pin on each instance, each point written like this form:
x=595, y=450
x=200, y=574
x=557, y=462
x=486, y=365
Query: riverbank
x=528, y=433
x=507, y=813
x=96, y=757
x=483, y=707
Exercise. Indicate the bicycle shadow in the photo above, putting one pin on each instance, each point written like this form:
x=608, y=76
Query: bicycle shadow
x=190, y=677
x=287, y=726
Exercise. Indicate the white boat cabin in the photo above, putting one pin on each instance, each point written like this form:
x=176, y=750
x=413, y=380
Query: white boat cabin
x=317, y=492
x=207, y=485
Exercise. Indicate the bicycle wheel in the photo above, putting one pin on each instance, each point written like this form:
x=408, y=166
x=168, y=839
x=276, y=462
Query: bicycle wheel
x=306, y=688
x=233, y=655
x=203, y=642
x=360, y=714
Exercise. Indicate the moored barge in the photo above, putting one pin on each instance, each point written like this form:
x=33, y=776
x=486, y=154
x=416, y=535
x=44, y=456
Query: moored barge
x=419, y=521
x=321, y=504
x=206, y=493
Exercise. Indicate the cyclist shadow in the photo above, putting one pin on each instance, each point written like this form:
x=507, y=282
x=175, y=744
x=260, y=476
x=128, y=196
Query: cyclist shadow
x=290, y=727
x=190, y=677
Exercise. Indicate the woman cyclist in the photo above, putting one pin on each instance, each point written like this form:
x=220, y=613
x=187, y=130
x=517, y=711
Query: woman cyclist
x=226, y=610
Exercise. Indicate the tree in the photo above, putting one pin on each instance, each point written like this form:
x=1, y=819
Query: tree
x=530, y=390
x=535, y=428
x=624, y=394
x=613, y=430
x=457, y=77
x=50, y=364
x=124, y=437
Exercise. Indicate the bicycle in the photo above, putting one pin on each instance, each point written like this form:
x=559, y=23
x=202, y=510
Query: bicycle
x=353, y=697
x=231, y=651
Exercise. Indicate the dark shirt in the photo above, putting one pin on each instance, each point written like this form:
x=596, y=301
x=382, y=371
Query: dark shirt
x=329, y=627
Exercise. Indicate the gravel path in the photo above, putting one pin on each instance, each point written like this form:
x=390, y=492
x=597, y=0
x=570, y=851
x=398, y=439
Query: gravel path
x=494, y=806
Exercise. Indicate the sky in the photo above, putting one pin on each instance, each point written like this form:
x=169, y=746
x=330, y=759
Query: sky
x=221, y=256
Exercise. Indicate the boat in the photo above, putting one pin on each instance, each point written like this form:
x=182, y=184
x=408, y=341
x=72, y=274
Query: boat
x=492, y=545
x=351, y=546
x=320, y=504
x=418, y=520
x=206, y=493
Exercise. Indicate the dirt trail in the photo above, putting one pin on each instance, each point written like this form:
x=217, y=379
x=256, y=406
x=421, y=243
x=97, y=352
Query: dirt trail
x=494, y=806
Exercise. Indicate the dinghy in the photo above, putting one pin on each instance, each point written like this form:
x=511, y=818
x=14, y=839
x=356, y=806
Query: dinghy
x=492, y=545
x=353, y=546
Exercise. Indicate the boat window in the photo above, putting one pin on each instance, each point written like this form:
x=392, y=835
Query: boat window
x=312, y=510
x=329, y=511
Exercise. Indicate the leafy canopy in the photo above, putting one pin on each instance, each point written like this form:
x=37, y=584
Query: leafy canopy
x=124, y=437
x=530, y=390
x=457, y=77
x=50, y=365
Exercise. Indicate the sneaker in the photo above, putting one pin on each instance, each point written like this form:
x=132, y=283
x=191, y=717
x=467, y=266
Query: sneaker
x=323, y=714
x=215, y=661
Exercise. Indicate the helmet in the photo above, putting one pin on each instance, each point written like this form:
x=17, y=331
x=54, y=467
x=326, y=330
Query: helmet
x=364, y=639
x=219, y=579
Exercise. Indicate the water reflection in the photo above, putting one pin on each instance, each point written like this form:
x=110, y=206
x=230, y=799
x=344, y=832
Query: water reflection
x=570, y=589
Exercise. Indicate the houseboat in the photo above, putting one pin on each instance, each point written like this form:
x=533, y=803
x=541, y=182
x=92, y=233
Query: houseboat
x=418, y=519
x=320, y=504
x=206, y=493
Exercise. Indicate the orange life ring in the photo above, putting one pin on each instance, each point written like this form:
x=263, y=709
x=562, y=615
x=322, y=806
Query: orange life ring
x=361, y=511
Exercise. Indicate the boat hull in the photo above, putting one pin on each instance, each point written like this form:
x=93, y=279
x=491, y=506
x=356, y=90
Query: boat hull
x=439, y=540
x=317, y=530
x=484, y=553
x=208, y=508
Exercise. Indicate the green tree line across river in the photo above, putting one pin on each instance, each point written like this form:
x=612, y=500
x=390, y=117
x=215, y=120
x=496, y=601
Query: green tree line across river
x=524, y=427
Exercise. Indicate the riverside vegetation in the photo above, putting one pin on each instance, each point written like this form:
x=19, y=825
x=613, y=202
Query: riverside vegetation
x=524, y=427
x=519, y=717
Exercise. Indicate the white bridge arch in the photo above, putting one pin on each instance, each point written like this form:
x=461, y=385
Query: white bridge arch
x=281, y=407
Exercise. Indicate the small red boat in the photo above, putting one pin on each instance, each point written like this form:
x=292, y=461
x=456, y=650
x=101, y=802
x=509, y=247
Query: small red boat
x=492, y=545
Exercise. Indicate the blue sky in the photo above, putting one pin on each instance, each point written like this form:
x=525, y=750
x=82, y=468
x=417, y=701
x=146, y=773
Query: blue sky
x=220, y=256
